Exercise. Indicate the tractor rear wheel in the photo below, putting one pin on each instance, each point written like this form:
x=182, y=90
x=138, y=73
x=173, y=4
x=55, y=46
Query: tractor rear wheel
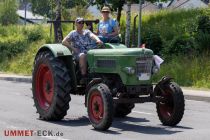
x=100, y=106
x=122, y=110
x=171, y=111
x=51, y=87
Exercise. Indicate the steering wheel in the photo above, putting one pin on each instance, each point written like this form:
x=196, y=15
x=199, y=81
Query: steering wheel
x=100, y=46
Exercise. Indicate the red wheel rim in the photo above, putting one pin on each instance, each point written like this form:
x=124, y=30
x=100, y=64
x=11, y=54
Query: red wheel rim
x=44, y=86
x=167, y=108
x=96, y=106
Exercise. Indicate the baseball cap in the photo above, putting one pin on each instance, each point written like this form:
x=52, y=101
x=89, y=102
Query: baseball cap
x=79, y=19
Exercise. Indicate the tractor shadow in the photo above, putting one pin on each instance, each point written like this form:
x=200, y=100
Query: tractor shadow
x=132, y=125
x=127, y=124
x=139, y=125
x=74, y=122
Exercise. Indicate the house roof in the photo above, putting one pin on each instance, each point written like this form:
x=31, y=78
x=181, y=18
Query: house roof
x=147, y=6
x=170, y=3
x=29, y=15
x=179, y=3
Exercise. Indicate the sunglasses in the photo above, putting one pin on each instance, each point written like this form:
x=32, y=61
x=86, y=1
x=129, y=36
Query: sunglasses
x=81, y=22
x=105, y=12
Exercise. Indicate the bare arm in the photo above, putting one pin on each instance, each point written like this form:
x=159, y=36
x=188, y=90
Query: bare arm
x=66, y=43
x=97, y=32
x=95, y=37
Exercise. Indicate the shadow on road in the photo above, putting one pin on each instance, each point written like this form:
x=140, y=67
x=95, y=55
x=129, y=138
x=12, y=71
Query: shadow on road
x=134, y=125
x=126, y=124
x=81, y=121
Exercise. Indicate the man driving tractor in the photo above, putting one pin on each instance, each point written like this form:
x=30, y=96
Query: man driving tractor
x=80, y=41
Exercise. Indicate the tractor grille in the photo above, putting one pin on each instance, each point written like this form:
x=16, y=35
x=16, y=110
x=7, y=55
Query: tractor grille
x=106, y=63
x=144, y=65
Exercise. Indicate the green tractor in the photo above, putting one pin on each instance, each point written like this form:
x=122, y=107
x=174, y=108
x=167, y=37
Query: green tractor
x=118, y=78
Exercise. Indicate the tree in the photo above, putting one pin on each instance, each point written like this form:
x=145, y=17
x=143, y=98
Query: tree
x=57, y=26
x=46, y=7
x=8, y=10
x=42, y=7
x=128, y=24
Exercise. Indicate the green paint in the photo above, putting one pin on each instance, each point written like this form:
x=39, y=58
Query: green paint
x=115, y=45
x=57, y=49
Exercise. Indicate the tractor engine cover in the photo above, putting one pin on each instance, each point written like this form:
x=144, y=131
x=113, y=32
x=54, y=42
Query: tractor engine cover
x=133, y=65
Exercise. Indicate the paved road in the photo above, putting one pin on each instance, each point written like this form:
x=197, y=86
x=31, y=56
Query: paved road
x=17, y=113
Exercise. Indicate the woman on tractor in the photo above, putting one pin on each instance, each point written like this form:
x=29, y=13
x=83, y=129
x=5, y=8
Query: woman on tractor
x=108, y=30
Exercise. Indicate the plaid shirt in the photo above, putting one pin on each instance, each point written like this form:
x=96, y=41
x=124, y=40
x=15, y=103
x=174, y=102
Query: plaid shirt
x=81, y=41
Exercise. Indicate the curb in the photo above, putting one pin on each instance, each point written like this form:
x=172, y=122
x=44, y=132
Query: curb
x=198, y=95
x=197, y=98
x=25, y=79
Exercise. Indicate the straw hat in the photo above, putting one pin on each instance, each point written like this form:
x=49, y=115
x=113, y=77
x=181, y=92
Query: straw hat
x=105, y=9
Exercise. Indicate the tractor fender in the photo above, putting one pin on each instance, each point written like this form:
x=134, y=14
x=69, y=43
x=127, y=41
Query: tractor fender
x=56, y=49
x=160, y=85
x=62, y=52
x=91, y=84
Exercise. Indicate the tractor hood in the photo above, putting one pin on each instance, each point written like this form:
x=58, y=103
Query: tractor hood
x=121, y=52
x=120, y=61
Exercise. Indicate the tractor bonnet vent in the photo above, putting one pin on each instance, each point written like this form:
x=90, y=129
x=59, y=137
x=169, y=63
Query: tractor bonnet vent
x=106, y=63
x=143, y=65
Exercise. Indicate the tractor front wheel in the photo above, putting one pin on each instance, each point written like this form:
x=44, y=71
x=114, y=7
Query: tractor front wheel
x=171, y=111
x=51, y=87
x=100, y=106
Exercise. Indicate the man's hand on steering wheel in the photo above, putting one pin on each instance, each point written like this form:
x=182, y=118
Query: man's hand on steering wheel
x=100, y=44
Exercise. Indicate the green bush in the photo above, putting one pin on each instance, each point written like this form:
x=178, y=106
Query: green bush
x=18, y=46
x=190, y=71
x=166, y=29
x=11, y=46
x=204, y=24
x=34, y=34
x=202, y=36
x=181, y=45
x=15, y=39
x=3, y=31
x=203, y=41
x=153, y=41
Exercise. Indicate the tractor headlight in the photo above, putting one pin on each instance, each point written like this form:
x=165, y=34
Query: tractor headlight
x=155, y=69
x=129, y=70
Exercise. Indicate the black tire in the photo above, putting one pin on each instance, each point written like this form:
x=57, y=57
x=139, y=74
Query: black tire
x=51, y=87
x=122, y=110
x=171, y=112
x=100, y=107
